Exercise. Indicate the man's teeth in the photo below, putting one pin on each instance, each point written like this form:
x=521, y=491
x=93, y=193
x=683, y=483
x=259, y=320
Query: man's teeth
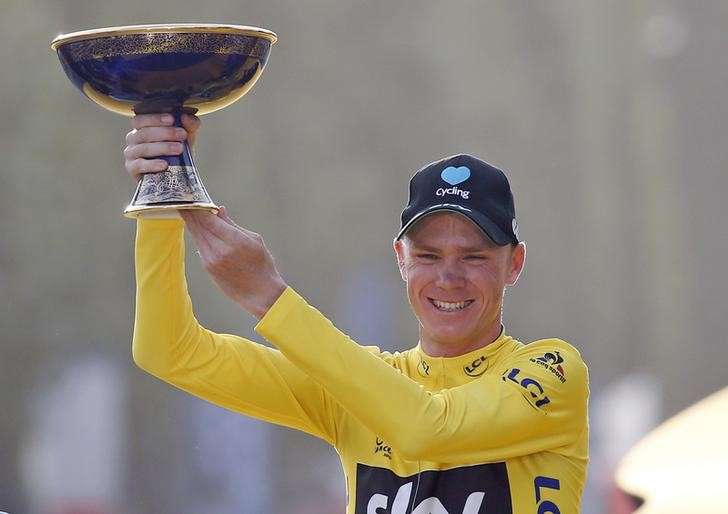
x=451, y=306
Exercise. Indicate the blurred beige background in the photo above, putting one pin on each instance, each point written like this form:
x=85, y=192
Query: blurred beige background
x=610, y=118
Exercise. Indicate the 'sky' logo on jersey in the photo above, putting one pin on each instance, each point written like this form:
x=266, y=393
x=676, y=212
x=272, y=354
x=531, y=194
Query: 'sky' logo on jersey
x=477, y=489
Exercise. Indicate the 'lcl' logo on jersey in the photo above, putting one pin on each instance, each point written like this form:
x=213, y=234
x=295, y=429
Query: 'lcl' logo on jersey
x=534, y=389
x=423, y=368
x=467, y=490
x=477, y=367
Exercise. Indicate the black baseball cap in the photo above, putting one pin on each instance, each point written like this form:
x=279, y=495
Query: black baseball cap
x=467, y=185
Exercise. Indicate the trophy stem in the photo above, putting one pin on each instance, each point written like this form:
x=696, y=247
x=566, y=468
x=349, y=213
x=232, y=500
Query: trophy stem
x=162, y=194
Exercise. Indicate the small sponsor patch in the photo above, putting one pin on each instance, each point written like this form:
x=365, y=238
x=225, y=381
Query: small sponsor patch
x=552, y=361
x=383, y=448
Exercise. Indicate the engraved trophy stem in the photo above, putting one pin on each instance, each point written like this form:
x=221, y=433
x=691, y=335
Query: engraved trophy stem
x=160, y=195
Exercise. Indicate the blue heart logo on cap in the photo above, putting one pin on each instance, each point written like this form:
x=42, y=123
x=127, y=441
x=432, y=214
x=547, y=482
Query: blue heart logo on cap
x=455, y=176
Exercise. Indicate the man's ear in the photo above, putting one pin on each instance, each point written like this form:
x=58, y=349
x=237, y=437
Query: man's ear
x=399, y=250
x=517, y=262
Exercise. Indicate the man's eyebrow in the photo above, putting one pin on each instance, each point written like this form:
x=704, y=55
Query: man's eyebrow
x=423, y=247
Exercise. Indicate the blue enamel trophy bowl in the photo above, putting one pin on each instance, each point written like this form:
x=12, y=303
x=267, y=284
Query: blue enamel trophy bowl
x=174, y=68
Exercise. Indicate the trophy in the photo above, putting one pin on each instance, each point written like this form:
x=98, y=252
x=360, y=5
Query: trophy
x=175, y=68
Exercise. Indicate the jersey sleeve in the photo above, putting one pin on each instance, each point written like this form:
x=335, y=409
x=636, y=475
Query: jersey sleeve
x=522, y=409
x=227, y=370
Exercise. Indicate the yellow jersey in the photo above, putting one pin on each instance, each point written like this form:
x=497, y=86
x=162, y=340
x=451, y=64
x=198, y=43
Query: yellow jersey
x=502, y=429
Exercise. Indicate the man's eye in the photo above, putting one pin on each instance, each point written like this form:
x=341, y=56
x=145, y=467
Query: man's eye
x=427, y=256
x=475, y=258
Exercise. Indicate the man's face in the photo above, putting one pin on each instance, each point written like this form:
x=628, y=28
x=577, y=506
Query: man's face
x=455, y=278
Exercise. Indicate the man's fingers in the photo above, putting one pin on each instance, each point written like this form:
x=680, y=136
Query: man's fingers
x=223, y=213
x=218, y=227
x=218, y=232
x=191, y=218
x=223, y=227
x=213, y=233
x=139, y=166
x=155, y=134
x=152, y=150
x=190, y=122
x=151, y=120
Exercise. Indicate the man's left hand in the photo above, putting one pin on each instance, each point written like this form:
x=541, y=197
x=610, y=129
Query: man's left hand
x=237, y=260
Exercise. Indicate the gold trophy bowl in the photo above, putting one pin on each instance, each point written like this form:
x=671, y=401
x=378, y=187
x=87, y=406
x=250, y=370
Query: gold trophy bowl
x=169, y=68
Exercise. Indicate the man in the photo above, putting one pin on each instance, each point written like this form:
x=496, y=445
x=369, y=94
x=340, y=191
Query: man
x=467, y=422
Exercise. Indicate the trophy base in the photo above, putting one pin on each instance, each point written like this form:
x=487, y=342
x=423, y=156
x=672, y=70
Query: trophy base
x=167, y=210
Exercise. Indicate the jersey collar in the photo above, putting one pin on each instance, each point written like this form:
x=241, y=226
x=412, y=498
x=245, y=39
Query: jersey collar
x=471, y=364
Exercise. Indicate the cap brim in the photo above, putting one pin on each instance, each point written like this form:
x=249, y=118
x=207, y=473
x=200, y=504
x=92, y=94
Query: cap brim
x=491, y=230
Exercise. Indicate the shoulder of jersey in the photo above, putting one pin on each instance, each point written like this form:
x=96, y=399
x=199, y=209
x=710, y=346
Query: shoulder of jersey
x=553, y=343
x=554, y=355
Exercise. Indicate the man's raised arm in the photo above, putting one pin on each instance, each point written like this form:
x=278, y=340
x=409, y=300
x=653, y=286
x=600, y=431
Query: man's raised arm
x=169, y=343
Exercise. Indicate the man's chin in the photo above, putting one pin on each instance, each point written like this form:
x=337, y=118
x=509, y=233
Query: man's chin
x=448, y=336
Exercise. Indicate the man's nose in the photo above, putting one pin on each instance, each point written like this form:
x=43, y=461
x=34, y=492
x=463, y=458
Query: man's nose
x=450, y=274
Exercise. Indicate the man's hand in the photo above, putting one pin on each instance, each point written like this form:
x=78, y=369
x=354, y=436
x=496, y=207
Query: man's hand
x=154, y=135
x=237, y=260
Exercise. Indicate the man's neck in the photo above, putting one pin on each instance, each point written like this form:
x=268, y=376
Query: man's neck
x=435, y=348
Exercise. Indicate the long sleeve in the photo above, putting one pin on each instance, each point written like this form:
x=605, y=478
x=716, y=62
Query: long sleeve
x=227, y=370
x=532, y=403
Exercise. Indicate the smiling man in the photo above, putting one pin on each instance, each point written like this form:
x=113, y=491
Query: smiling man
x=469, y=421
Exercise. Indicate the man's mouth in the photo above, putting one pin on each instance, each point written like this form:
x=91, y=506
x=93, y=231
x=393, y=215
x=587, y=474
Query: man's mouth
x=450, y=306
